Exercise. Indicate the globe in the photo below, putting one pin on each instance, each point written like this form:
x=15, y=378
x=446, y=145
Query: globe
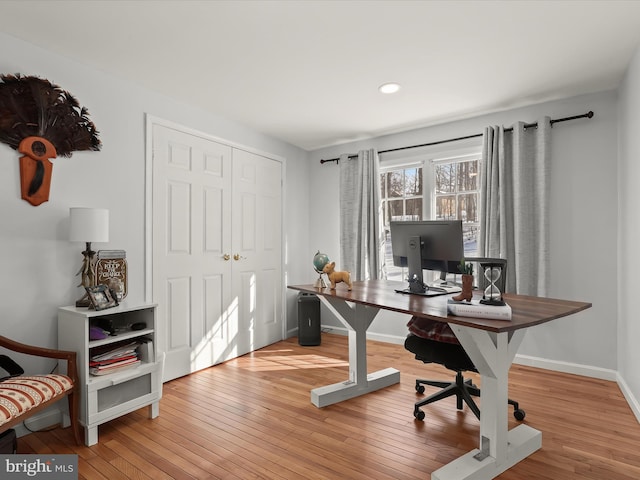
x=319, y=261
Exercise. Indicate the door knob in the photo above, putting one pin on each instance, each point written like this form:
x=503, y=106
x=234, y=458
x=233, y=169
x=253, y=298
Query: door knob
x=237, y=256
x=226, y=256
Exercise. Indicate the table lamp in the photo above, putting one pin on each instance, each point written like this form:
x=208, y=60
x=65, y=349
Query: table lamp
x=88, y=225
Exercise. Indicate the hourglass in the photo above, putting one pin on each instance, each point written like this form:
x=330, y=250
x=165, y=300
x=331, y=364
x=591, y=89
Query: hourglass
x=495, y=275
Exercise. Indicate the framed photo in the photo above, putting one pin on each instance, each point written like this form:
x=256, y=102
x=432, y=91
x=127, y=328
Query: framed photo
x=101, y=297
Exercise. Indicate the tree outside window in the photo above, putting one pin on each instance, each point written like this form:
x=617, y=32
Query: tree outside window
x=457, y=198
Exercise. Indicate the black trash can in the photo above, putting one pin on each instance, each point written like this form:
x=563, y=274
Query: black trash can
x=308, y=319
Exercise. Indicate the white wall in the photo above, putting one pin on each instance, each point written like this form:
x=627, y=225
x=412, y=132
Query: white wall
x=583, y=226
x=38, y=261
x=629, y=234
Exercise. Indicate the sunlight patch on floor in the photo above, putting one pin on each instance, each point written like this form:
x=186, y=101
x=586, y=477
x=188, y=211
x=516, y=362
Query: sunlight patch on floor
x=274, y=361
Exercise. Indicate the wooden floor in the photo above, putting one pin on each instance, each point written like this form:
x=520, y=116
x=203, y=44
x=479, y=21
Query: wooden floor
x=251, y=418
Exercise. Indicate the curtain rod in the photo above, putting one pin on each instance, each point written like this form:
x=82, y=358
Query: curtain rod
x=589, y=114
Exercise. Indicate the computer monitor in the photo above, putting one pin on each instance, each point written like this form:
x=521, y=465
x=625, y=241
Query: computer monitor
x=427, y=245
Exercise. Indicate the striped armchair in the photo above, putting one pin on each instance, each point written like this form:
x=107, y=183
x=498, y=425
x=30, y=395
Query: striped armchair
x=24, y=395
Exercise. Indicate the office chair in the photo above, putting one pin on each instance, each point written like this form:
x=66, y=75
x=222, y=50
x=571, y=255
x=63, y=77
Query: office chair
x=434, y=342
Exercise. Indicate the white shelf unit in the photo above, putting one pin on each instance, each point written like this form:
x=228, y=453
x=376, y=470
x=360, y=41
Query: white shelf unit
x=105, y=397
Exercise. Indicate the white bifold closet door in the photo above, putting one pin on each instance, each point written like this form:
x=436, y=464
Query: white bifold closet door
x=217, y=250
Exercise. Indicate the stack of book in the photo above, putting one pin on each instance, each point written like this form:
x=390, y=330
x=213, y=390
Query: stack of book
x=114, y=359
x=479, y=310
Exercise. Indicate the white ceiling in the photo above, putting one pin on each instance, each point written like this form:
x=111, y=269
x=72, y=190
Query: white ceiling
x=307, y=72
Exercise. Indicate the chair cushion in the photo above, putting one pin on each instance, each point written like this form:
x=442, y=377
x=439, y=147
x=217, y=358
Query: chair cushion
x=432, y=330
x=452, y=356
x=20, y=394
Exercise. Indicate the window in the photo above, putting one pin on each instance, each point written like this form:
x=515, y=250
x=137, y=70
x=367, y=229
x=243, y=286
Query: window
x=402, y=199
x=442, y=188
x=402, y=194
x=457, y=197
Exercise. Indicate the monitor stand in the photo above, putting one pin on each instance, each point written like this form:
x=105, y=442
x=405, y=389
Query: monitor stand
x=414, y=264
x=427, y=293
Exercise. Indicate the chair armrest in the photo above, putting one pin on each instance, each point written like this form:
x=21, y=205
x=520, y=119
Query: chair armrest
x=69, y=356
x=33, y=350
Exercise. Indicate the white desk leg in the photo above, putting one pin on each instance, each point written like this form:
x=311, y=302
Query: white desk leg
x=356, y=318
x=500, y=449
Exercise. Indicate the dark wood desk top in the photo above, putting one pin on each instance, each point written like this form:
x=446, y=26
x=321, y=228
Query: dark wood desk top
x=526, y=311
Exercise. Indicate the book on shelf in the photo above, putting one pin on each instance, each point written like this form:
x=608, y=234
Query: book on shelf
x=115, y=351
x=102, y=363
x=112, y=358
x=479, y=310
x=116, y=367
x=119, y=363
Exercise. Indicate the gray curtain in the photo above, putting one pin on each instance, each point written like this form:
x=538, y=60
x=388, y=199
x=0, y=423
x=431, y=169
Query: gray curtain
x=514, y=204
x=361, y=232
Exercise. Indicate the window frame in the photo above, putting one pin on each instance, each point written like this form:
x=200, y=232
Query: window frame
x=404, y=166
x=428, y=158
x=431, y=184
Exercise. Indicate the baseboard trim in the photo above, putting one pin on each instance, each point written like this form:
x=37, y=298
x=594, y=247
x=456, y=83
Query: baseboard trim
x=38, y=422
x=566, y=367
x=631, y=400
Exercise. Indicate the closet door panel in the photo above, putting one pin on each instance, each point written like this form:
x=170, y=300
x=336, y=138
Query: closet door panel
x=192, y=181
x=258, y=192
x=216, y=250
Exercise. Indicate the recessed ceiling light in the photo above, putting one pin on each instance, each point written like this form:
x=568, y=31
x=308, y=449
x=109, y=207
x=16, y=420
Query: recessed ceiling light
x=390, y=87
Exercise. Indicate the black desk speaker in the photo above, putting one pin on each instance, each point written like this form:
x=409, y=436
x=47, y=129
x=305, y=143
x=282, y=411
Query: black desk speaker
x=308, y=319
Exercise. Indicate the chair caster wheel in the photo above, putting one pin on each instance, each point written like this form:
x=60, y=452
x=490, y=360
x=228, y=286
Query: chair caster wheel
x=419, y=388
x=519, y=414
x=419, y=414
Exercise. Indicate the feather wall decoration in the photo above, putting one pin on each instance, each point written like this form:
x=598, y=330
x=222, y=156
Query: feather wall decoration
x=42, y=121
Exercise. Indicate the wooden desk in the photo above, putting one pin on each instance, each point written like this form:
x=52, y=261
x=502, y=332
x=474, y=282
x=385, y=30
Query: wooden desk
x=491, y=345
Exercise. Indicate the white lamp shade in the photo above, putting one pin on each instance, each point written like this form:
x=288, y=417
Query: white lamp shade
x=89, y=225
